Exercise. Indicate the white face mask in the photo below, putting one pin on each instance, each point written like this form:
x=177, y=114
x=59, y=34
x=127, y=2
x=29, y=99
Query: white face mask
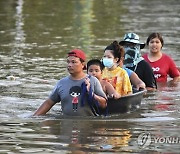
x=108, y=62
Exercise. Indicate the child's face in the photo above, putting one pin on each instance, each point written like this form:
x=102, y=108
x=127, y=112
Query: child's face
x=95, y=70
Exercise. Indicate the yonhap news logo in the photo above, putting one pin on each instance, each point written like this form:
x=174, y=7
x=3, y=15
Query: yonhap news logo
x=145, y=139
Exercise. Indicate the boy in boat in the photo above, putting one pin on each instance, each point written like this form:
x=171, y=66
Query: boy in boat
x=94, y=68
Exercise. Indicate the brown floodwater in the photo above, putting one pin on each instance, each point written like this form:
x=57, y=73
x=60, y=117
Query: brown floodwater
x=34, y=39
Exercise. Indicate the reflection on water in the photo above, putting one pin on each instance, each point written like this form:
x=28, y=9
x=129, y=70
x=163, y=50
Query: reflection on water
x=101, y=135
x=35, y=37
x=19, y=36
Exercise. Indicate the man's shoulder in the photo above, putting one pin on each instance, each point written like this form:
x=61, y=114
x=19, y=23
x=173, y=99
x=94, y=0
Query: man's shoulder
x=63, y=80
x=144, y=66
x=144, y=63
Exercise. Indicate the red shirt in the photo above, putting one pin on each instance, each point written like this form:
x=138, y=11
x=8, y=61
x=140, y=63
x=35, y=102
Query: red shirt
x=163, y=67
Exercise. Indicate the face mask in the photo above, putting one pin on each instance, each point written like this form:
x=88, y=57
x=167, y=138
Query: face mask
x=108, y=62
x=132, y=56
x=129, y=57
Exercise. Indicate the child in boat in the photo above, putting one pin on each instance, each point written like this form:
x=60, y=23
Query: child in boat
x=94, y=68
x=114, y=74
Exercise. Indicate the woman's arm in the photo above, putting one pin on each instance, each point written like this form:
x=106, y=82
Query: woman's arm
x=175, y=81
x=136, y=81
x=110, y=91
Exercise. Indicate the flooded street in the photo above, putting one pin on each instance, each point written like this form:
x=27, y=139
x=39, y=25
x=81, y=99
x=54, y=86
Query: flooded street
x=34, y=39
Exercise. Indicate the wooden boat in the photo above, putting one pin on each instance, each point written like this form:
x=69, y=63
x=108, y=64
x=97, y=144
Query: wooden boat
x=126, y=103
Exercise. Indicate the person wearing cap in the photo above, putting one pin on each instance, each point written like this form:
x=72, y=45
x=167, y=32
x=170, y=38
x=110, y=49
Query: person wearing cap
x=77, y=92
x=162, y=64
x=134, y=61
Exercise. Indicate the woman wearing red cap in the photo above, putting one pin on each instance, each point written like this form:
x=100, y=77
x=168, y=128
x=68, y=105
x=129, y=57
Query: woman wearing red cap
x=78, y=93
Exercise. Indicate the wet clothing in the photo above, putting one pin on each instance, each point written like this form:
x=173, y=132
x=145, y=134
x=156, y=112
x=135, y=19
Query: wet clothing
x=145, y=73
x=163, y=67
x=69, y=92
x=119, y=80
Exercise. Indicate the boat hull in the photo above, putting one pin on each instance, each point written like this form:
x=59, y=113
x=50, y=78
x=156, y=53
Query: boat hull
x=125, y=104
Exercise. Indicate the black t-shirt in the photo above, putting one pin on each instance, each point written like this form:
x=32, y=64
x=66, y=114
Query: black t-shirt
x=145, y=73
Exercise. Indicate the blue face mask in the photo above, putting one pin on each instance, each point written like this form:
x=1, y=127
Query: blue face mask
x=108, y=62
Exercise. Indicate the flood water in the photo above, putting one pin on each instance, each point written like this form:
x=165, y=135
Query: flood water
x=34, y=39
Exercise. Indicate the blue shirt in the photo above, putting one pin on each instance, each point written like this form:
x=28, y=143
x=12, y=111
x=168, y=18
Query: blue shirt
x=129, y=72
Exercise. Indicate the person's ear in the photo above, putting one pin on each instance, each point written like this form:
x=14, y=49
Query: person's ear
x=122, y=59
x=121, y=62
x=116, y=60
x=84, y=65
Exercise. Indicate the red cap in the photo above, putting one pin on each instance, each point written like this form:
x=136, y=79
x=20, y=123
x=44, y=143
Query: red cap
x=77, y=53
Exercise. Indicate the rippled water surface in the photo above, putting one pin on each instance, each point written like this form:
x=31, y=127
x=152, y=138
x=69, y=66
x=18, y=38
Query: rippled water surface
x=34, y=39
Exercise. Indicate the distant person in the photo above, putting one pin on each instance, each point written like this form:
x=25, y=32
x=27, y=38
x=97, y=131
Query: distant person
x=69, y=90
x=95, y=68
x=161, y=63
x=134, y=61
x=114, y=74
